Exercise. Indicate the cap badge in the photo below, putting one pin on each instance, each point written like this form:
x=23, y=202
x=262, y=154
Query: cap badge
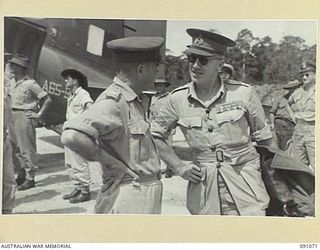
x=198, y=41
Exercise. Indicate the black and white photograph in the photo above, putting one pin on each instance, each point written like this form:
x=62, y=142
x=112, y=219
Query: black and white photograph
x=159, y=117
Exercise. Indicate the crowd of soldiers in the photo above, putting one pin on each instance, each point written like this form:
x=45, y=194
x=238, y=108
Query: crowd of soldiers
x=222, y=120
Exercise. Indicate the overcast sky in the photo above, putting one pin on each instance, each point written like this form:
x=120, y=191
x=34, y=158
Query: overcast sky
x=178, y=39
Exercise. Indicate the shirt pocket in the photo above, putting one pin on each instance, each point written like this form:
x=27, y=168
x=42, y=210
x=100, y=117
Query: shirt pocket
x=140, y=141
x=234, y=127
x=20, y=96
x=192, y=128
x=311, y=105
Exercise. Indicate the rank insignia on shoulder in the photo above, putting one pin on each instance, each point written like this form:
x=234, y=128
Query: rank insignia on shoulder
x=113, y=93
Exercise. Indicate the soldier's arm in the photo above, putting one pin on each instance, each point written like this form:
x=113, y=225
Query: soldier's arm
x=161, y=128
x=41, y=95
x=85, y=146
x=259, y=127
x=273, y=112
x=272, y=120
x=83, y=133
x=46, y=104
x=86, y=101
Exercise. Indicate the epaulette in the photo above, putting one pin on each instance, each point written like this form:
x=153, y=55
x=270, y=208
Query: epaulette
x=113, y=93
x=234, y=82
x=180, y=88
x=110, y=93
x=30, y=81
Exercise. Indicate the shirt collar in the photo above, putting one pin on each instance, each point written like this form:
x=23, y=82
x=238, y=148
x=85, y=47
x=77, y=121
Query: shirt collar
x=127, y=92
x=22, y=80
x=75, y=93
x=77, y=90
x=192, y=92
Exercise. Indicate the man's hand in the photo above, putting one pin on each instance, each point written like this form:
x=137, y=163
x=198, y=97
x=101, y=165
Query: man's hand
x=193, y=173
x=33, y=115
x=272, y=126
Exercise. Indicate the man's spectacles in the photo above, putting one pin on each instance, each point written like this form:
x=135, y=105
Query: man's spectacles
x=202, y=59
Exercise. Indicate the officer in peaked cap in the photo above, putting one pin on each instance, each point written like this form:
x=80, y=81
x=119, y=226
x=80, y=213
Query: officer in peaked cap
x=302, y=102
x=206, y=43
x=227, y=72
x=220, y=120
x=282, y=117
x=78, y=167
x=136, y=49
x=25, y=95
x=117, y=120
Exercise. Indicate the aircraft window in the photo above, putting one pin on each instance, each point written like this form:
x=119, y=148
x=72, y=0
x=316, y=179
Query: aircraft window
x=95, y=40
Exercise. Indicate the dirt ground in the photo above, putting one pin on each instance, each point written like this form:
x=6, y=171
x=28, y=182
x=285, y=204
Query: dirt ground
x=52, y=182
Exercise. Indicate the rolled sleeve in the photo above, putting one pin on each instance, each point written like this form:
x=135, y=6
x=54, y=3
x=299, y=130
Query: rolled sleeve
x=38, y=91
x=260, y=130
x=262, y=134
x=165, y=121
x=102, y=118
x=85, y=98
x=275, y=107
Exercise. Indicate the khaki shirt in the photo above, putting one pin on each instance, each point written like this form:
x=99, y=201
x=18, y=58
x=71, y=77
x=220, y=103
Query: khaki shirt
x=303, y=104
x=230, y=122
x=281, y=108
x=156, y=103
x=25, y=93
x=77, y=102
x=117, y=120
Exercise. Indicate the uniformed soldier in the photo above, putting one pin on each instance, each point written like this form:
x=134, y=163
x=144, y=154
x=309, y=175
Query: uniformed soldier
x=9, y=184
x=282, y=117
x=302, y=103
x=78, y=168
x=219, y=120
x=25, y=94
x=7, y=73
x=116, y=133
x=227, y=72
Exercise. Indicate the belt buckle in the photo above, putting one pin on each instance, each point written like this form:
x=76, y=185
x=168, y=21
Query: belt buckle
x=220, y=156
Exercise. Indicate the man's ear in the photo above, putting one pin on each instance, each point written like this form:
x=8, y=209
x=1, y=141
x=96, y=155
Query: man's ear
x=75, y=81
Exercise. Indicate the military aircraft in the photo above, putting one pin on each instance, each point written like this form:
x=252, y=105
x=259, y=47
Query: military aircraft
x=55, y=44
